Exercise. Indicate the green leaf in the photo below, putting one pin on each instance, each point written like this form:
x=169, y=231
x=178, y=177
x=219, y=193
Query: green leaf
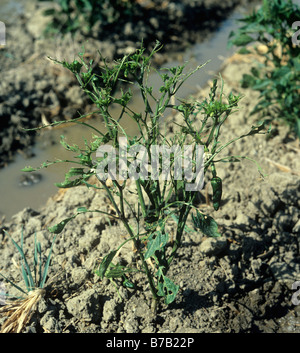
x=116, y=271
x=25, y=278
x=105, y=263
x=262, y=84
x=76, y=171
x=47, y=264
x=20, y=249
x=28, y=169
x=256, y=129
x=82, y=210
x=35, y=255
x=48, y=12
x=166, y=287
x=231, y=34
x=58, y=228
x=128, y=284
x=67, y=183
x=255, y=72
x=13, y=284
x=248, y=81
x=206, y=224
x=68, y=147
x=244, y=51
x=242, y=39
x=297, y=128
x=44, y=165
x=156, y=241
x=186, y=228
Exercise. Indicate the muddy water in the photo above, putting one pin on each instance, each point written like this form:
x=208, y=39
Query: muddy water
x=15, y=197
x=11, y=8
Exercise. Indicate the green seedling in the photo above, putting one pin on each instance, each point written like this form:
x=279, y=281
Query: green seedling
x=20, y=310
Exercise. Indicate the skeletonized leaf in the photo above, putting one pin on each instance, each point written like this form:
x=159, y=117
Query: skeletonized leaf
x=156, y=241
x=206, y=224
x=166, y=287
x=67, y=183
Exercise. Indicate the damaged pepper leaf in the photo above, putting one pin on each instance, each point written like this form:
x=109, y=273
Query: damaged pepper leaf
x=206, y=224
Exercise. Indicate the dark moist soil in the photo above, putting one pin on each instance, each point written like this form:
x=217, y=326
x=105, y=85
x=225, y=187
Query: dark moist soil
x=34, y=91
x=238, y=283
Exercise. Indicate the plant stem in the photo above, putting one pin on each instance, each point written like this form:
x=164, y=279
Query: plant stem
x=133, y=237
x=184, y=212
x=141, y=197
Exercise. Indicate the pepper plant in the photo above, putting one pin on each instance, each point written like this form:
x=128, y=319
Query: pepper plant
x=158, y=200
x=277, y=75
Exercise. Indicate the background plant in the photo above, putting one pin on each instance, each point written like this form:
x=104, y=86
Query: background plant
x=277, y=77
x=74, y=15
x=159, y=201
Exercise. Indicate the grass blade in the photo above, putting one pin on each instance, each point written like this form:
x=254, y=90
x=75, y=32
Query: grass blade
x=23, y=257
x=25, y=278
x=35, y=258
x=13, y=284
x=43, y=279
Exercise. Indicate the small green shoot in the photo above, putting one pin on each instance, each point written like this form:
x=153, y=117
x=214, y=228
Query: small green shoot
x=20, y=310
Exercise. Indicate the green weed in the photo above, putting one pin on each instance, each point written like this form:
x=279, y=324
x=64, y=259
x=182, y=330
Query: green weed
x=158, y=199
